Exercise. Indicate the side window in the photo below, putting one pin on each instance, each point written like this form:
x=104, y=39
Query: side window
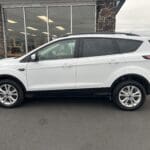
x=98, y=47
x=127, y=46
x=58, y=50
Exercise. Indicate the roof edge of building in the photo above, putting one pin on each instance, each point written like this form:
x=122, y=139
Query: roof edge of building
x=120, y=5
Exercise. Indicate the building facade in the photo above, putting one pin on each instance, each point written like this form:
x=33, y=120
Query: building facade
x=27, y=24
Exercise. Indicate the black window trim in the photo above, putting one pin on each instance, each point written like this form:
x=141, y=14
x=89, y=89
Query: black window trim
x=114, y=43
x=81, y=46
x=127, y=40
x=77, y=46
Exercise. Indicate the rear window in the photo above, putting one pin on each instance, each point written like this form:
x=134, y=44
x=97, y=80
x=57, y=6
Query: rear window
x=98, y=47
x=127, y=46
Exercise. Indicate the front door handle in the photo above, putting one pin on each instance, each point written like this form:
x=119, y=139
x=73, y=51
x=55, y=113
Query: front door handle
x=21, y=69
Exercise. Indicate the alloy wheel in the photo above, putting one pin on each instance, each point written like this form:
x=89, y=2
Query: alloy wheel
x=130, y=96
x=8, y=94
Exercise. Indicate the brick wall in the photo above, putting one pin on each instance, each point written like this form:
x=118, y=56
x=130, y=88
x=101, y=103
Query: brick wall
x=106, y=16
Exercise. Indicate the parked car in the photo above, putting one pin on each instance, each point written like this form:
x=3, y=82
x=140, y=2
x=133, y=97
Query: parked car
x=117, y=65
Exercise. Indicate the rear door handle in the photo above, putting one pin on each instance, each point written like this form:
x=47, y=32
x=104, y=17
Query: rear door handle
x=68, y=66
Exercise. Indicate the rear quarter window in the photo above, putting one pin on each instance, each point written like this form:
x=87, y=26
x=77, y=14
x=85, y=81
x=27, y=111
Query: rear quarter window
x=127, y=46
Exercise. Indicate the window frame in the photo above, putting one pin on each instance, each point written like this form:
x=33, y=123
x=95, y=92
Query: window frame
x=46, y=6
x=121, y=52
x=114, y=43
x=76, y=53
x=82, y=45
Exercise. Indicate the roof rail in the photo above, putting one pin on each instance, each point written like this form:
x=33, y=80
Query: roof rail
x=126, y=33
x=123, y=33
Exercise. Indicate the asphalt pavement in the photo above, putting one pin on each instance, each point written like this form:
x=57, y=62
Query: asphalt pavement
x=74, y=124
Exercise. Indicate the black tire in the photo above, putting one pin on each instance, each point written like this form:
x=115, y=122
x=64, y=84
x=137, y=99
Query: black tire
x=20, y=93
x=121, y=85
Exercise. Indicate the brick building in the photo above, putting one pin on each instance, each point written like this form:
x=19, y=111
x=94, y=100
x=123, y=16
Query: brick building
x=27, y=24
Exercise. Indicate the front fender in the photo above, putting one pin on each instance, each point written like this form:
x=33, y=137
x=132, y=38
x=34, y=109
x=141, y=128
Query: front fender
x=21, y=76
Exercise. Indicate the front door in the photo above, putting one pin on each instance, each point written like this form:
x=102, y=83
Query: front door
x=55, y=68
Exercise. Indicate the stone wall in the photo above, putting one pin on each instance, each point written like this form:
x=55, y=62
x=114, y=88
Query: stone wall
x=106, y=15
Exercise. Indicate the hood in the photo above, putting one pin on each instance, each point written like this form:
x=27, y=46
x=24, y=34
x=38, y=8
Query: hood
x=8, y=61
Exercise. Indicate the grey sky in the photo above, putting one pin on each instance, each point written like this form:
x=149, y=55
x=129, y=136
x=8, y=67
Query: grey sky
x=134, y=17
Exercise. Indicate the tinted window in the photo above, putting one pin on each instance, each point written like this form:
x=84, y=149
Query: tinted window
x=126, y=46
x=58, y=50
x=98, y=47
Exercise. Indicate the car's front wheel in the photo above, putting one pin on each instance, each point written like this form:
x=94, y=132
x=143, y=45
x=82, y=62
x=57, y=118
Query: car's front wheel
x=129, y=95
x=11, y=93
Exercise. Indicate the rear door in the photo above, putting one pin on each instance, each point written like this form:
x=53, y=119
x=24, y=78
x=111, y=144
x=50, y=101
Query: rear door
x=99, y=57
x=56, y=68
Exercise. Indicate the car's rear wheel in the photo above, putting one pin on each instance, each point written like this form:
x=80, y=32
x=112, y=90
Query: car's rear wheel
x=11, y=93
x=129, y=95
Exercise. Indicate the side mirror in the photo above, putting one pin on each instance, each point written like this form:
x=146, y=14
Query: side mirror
x=34, y=57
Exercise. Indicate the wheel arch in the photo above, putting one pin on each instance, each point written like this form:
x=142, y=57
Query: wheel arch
x=142, y=80
x=14, y=79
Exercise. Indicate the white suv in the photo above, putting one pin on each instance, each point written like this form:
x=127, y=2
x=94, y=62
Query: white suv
x=117, y=65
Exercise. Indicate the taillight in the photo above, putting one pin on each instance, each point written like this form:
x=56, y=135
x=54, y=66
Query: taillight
x=146, y=57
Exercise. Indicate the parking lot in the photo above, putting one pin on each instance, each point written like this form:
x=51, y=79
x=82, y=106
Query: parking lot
x=74, y=124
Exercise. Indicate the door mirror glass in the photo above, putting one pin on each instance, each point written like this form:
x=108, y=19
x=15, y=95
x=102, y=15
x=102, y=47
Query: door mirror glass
x=34, y=57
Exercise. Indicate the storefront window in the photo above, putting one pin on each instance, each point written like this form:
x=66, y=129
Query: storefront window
x=36, y=27
x=28, y=28
x=59, y=21
x=14, y=32
x=83, y=19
